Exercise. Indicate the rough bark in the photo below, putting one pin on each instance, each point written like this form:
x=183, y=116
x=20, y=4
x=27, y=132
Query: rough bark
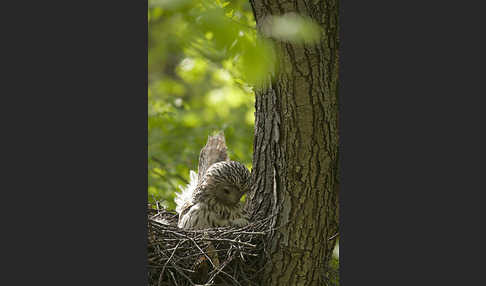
x=295, y=161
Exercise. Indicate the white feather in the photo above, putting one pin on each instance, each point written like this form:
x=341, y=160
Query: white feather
x=185, y=196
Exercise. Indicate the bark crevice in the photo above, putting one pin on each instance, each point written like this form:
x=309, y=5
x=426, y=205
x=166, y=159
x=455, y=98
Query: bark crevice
x=295, y=161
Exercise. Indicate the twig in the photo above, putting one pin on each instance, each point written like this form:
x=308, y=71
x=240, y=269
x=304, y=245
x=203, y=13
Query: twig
x=171, y=256
x=332, y=237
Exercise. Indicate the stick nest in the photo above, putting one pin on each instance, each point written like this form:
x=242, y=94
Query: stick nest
x=217, y=256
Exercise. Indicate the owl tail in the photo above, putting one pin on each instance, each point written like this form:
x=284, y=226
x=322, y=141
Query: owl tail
x=214, y=151
x=184, y=198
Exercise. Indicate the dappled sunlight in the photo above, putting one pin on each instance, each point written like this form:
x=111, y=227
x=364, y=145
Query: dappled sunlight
x=203, y=59
x=335, y=253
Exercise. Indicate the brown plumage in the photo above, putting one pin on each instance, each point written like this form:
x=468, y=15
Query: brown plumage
x=212, y=198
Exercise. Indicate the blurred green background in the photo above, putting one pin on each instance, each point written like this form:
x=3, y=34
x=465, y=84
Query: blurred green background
x=203, y=56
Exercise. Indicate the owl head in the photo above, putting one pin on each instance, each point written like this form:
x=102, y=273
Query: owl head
x=226, y=182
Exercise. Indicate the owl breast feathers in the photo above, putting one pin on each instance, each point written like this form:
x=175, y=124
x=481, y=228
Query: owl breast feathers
x=212, y=198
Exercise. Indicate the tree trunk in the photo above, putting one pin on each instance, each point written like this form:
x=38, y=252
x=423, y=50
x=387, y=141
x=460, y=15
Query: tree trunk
x=295, y=161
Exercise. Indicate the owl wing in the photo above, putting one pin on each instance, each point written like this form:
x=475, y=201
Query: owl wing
x=195, y=217
x=201, y=216
x=183, y=199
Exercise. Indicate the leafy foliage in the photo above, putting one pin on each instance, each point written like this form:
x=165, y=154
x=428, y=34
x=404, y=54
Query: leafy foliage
x=202, y=57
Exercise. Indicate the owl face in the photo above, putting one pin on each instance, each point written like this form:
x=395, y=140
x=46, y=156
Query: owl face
x=225, y=182
x=227, y=194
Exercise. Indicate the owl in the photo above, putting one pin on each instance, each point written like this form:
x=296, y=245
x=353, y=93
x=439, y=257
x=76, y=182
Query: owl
x=212, y=197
